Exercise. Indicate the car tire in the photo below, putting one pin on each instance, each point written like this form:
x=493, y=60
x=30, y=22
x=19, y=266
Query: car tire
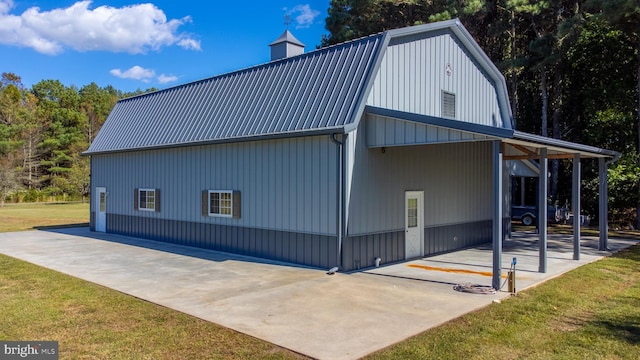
x=527, y=220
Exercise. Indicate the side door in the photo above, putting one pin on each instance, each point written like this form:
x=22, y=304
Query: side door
x=414, y=224
x=101, y=209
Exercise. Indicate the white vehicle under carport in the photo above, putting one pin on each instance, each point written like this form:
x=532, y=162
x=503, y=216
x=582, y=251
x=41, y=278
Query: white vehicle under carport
x=527, y=215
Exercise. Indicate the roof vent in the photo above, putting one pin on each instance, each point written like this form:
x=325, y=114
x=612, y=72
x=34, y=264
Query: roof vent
x=448, y=105
x=285, y=46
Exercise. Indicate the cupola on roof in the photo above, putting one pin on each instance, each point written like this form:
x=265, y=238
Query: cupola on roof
x=286, y=46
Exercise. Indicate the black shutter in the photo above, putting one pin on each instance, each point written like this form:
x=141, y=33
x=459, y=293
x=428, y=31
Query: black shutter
x=157, y=209
x=205, y=202
x=135, y=199
x=236, y=204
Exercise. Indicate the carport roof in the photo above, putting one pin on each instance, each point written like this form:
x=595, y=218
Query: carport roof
x=522, y=145
x=527, y=146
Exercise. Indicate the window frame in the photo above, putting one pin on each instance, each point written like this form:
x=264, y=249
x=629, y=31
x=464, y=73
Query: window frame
x=230, y=207
x=146, y=191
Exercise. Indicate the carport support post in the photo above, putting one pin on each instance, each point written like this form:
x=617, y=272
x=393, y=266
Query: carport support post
x=497, y=214
x=575, y=206
x=542, y=211
x=604, y=206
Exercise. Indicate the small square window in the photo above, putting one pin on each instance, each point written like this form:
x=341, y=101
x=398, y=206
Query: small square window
x=147, y=199
x=220, y=203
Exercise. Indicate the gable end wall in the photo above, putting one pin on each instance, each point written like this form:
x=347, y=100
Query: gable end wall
x=413, y=73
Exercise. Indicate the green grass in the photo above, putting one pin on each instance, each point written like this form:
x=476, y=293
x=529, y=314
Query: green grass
x=93, y=322
x=30, y=216
x=592, y=312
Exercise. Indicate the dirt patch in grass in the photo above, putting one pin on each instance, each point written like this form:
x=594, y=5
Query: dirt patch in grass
x=571, y=321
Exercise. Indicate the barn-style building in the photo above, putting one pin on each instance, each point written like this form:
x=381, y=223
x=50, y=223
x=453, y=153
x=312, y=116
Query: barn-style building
x=393, y=146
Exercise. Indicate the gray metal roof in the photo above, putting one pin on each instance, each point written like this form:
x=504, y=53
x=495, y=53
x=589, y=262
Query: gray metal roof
x=314, y=92
x=323, y=91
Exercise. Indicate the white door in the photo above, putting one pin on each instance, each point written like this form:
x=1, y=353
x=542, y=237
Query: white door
x=414, y=224
x=101, y=209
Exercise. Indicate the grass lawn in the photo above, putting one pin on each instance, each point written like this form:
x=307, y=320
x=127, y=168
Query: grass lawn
x=93, y=322
x=592, y=312
x=21, y=217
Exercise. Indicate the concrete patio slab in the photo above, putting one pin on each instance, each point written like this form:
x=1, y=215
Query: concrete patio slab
x=343, y=316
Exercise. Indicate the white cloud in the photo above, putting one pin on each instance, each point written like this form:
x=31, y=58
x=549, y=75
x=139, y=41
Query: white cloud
x=145, y=75
x=5, y=6
x=304, y=15
x=163, y=79
x=134, y=29
x=189, y=44
x=136, y=73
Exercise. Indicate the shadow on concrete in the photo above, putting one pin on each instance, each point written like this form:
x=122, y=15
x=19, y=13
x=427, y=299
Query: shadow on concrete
x=64, y=226
x=178, y=249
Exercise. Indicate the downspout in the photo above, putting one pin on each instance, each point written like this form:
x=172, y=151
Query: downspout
x=340, y=163
x=92, y=223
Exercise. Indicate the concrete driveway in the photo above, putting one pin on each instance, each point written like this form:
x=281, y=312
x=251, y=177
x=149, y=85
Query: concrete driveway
x=343, y=316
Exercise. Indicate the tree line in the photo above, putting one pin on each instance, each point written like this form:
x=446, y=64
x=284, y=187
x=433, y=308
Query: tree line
x=572, y=69
x=43, y=131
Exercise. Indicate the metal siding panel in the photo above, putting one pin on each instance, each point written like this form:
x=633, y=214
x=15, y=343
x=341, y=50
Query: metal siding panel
x=182, y=173
x=307, y=248
x=315, y=249
x=252, y=248
x=423, y=61
x=299, y=247
x=452, y=175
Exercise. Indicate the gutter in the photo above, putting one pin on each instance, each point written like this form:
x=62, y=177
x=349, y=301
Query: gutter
x=257, y=137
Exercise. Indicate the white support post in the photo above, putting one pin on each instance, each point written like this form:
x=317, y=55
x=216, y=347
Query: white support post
x=542, y=211
x=575, y=206
x=603, y=213
x=497, y=214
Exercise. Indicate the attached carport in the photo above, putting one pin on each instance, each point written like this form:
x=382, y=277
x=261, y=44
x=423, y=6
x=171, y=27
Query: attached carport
x=524, y=146
x=508, y=145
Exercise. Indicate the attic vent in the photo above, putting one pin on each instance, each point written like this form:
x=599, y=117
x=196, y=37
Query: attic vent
x=448, y=105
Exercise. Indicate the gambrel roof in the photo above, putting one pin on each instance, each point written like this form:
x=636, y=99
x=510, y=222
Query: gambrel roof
x=322, y=91
x=315, y=92
x=319, y=92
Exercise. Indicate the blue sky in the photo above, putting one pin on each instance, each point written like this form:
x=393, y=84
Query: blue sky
x=133, y=44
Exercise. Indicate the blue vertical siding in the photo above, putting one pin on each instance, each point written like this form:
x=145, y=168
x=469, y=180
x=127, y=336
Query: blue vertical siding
x=286, y=184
